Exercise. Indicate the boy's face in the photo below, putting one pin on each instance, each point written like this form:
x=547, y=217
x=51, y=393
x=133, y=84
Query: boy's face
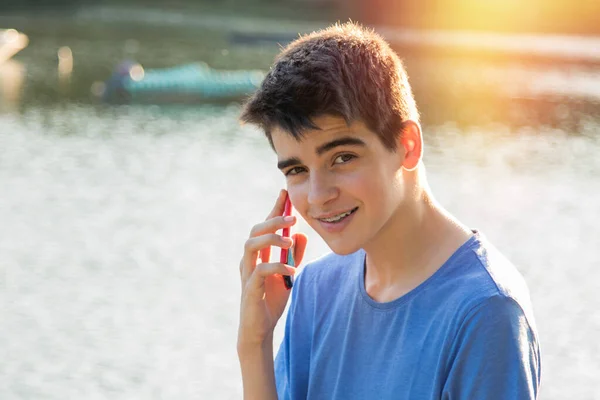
x=342, y=180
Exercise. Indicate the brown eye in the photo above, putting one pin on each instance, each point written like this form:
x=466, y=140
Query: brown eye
x=343, y=158
x=294, y=171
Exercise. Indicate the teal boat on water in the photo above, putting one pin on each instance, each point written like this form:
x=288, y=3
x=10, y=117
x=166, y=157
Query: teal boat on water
x=190, y=83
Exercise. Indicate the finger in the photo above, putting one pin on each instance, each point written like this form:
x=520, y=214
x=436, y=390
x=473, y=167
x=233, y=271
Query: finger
x=271, y=225
x=254, y=245
x=300, y=241
x=279, y=205
x=264, y=270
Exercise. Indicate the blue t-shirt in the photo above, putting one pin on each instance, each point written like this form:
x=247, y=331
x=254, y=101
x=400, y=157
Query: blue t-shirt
x=467, y=332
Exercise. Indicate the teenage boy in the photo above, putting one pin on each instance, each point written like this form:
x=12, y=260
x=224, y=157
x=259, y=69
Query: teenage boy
x=411, y=304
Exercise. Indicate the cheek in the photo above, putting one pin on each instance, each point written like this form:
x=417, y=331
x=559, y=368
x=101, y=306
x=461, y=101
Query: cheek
x=366, y=184
x=376, y=189
x=298, y=199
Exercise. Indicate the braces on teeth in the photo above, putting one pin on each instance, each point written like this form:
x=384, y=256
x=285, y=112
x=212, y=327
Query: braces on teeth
x=337, y=217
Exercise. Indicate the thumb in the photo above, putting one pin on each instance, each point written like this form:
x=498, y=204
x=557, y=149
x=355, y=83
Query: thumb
x=300, y=241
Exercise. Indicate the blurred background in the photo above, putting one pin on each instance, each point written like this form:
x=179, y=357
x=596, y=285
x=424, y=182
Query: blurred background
x=127, y=186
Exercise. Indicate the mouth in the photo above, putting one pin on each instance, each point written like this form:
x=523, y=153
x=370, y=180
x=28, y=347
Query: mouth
x=335, y=219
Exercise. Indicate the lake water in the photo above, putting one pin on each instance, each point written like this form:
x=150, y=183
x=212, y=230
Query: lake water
x=121, y=228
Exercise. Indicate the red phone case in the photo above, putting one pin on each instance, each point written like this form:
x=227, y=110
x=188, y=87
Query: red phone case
x=287, y=255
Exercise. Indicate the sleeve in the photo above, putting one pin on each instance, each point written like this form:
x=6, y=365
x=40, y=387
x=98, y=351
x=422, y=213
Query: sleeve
x=293, y=357
x=495, y=356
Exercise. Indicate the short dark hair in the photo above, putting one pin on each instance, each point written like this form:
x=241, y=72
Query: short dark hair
x=345, y=70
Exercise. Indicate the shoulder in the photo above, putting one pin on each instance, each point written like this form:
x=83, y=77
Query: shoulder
x=483, y=279
x=495, y=353
x=507, y=279
x=494, y=330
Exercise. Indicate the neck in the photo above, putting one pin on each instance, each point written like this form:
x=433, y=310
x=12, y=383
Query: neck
x=416, y=241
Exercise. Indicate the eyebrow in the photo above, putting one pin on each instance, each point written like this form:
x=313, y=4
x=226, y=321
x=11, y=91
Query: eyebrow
x=324, y=148
x=343, y=141
x=288, y=162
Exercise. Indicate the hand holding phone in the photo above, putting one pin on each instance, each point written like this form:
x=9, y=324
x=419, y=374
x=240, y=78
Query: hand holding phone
x=263, y=297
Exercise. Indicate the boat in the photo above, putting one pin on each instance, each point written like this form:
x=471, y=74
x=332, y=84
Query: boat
x=11, y=42
x=189, y=83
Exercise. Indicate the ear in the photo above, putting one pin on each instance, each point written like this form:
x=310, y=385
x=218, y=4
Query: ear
x=410, y=141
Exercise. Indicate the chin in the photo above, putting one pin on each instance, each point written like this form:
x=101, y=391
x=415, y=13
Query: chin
x=342, y=247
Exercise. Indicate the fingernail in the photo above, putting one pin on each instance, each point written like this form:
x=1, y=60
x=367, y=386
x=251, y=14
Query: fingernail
x=288, y=240
x=289, y=218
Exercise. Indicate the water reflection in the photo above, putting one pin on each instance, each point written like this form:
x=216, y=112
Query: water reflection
x=466, y=89
x=119, y=229
x=11, y=42
x=65, y=69
x=12, y=77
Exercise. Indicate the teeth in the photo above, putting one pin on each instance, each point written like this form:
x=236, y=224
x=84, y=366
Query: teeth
x=337, y=217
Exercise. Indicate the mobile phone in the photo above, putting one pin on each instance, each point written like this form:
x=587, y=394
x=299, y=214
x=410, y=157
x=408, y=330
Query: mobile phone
x=287, y=255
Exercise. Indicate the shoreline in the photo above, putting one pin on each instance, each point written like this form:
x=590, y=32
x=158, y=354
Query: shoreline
x=544, y=48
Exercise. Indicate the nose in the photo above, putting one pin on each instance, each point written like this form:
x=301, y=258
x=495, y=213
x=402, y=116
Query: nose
x=322, y=188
